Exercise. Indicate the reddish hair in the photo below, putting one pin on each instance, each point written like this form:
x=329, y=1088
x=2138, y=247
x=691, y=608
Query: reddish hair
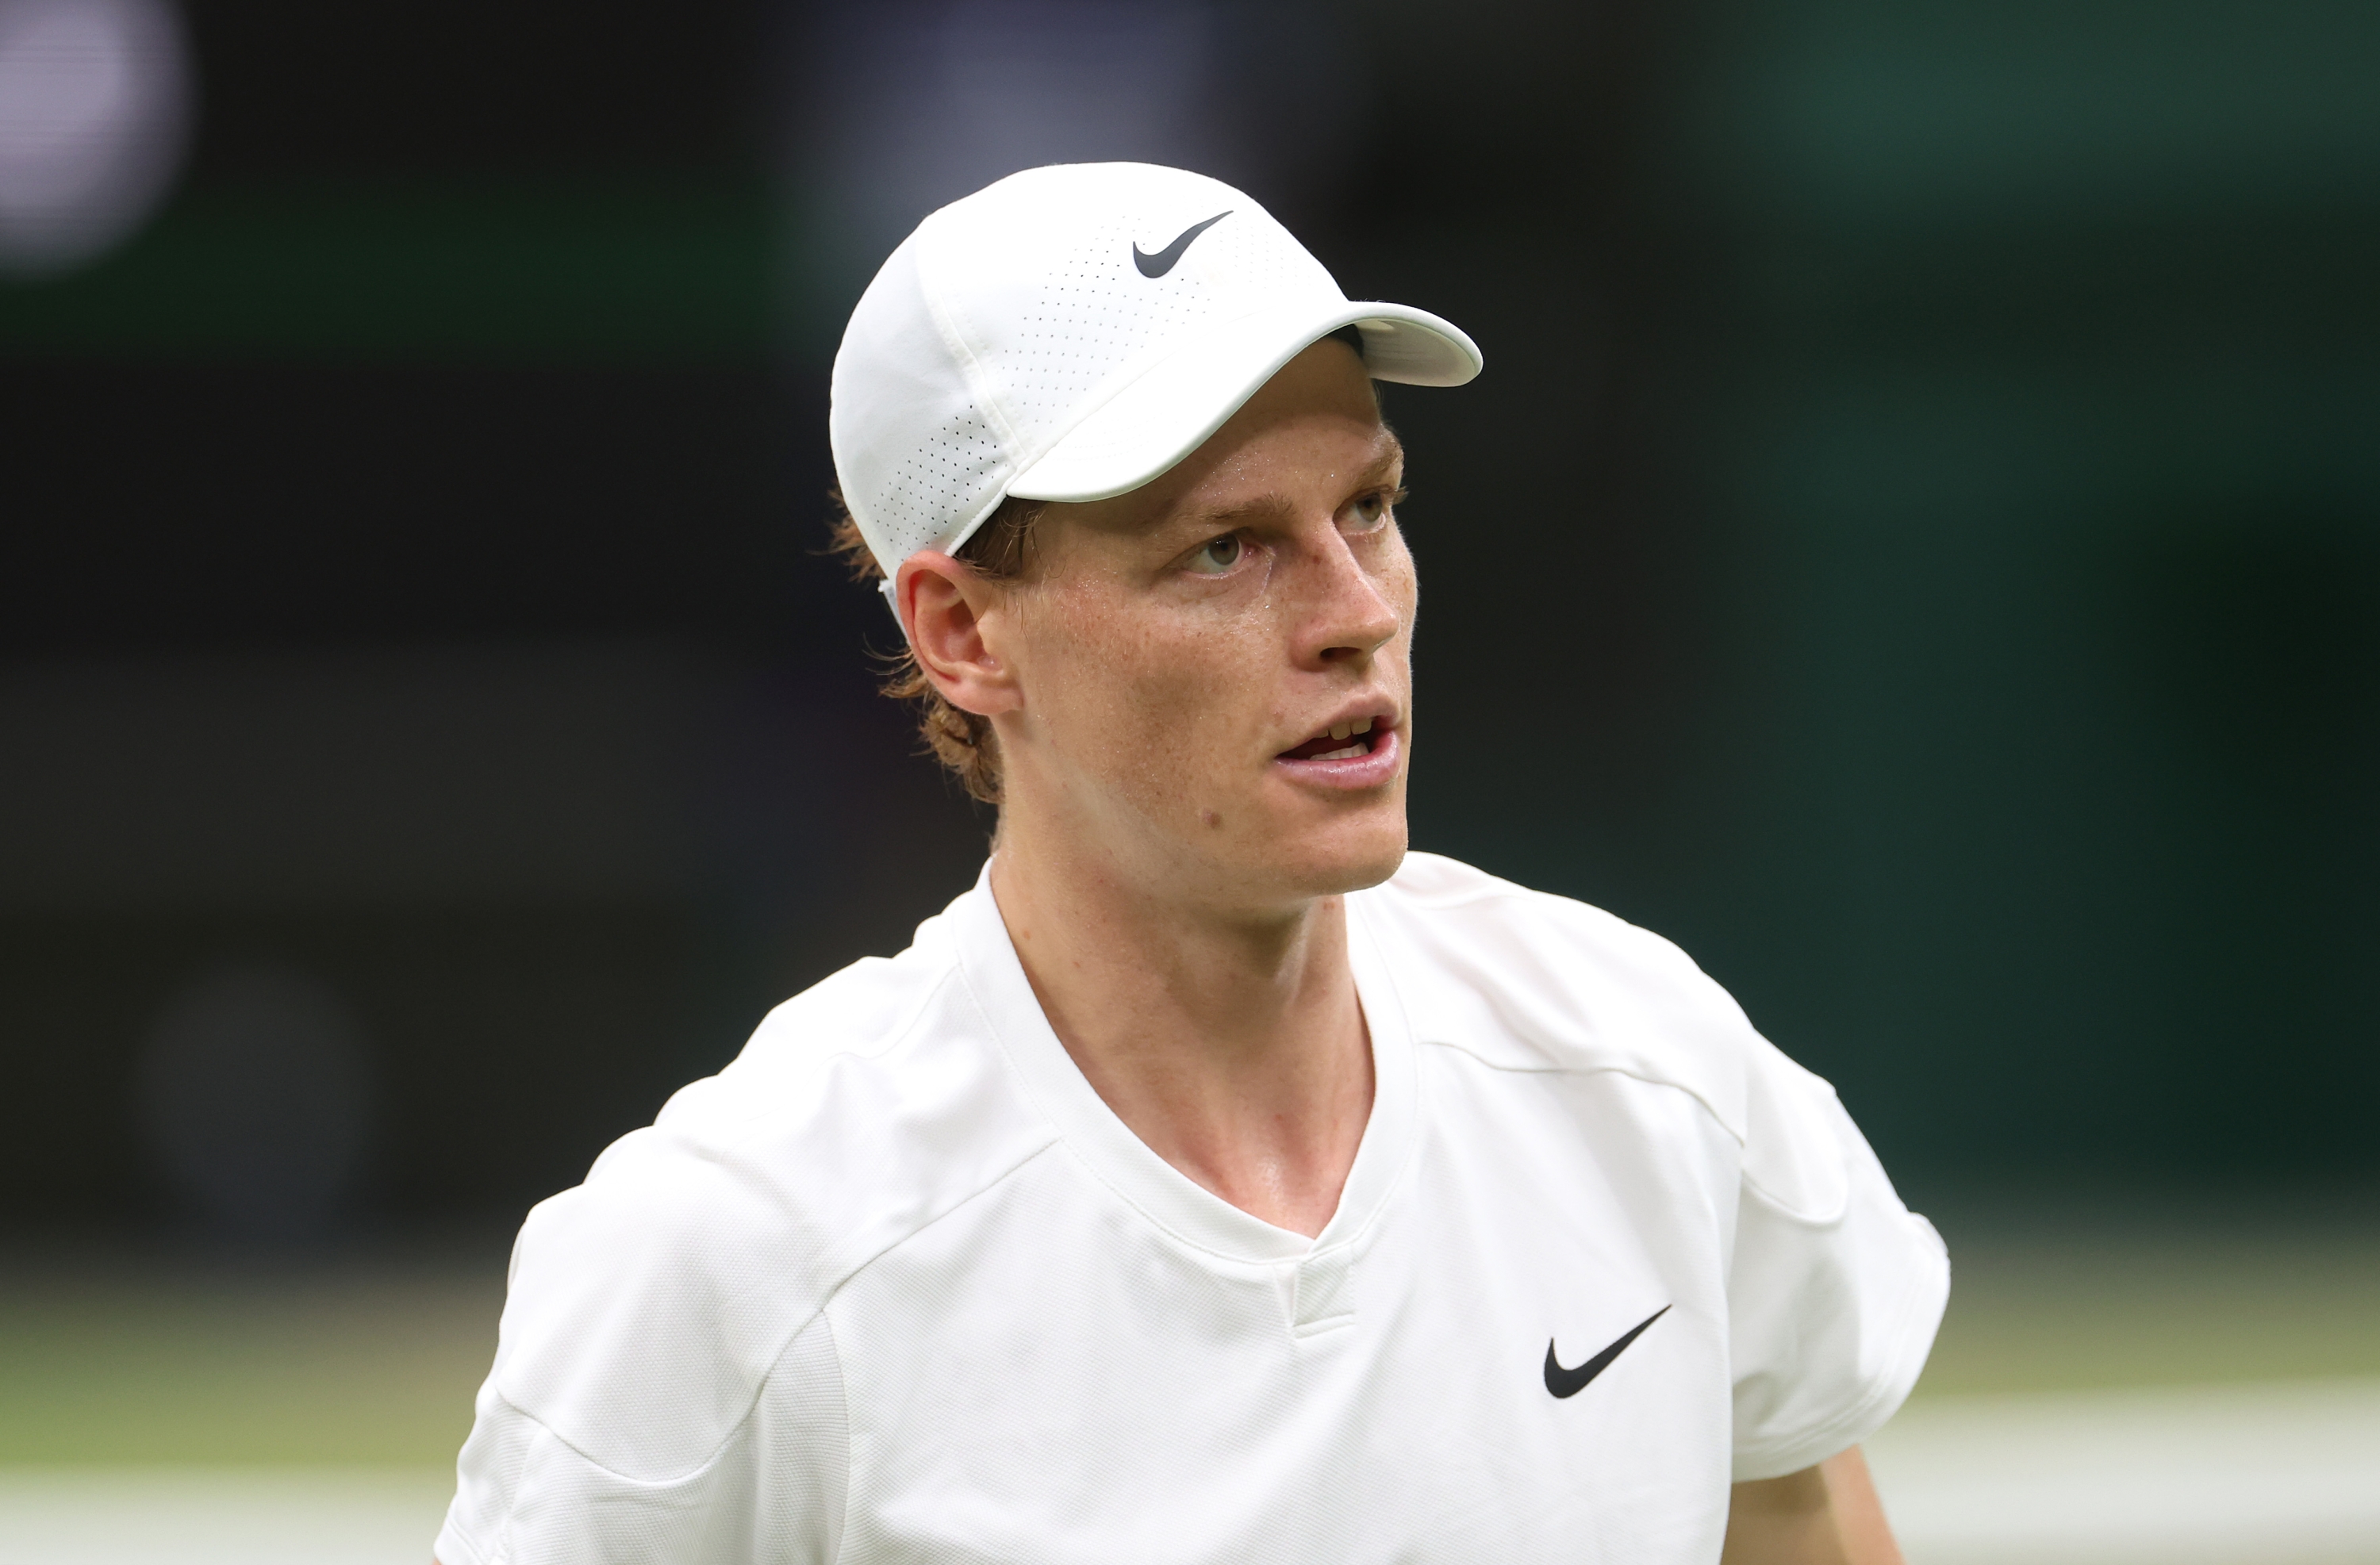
x=963, y=740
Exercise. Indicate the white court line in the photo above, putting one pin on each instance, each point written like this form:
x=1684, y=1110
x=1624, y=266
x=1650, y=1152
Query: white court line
x=2284, y=1474
x=221, y=1516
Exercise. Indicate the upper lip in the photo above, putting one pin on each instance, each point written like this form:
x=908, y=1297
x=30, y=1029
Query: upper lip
x=1379, y=714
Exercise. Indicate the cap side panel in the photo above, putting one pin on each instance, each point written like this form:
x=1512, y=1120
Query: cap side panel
x=892, y=368
x=1069, y=332
x=909, y=370
x=982, y=473
x=960, y=338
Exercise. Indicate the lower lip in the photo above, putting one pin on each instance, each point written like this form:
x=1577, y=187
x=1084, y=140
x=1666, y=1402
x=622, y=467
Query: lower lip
x=1371, y=769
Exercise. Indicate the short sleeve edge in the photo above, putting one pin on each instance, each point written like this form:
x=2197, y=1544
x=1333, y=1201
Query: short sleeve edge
x=454, y=1547
x=1912, y=1340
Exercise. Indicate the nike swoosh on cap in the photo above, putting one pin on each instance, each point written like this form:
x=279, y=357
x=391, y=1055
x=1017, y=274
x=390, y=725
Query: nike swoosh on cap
x=1571, y=1382
x=1160, y=263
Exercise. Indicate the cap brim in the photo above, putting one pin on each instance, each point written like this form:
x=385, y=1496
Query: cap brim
x=1169, y=411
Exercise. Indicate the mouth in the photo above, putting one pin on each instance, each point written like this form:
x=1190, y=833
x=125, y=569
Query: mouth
x=1352, y=752
x=1342, y=741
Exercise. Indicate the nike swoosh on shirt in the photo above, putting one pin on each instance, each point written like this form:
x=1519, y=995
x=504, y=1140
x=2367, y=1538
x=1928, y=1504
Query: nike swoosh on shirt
x=1160, y=263
x=1571, y=1382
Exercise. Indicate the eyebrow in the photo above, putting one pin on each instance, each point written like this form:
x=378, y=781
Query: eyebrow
x=1390, y=452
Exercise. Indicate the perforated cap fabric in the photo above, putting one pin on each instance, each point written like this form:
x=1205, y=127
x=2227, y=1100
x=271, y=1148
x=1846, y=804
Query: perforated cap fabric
x=1071, y=333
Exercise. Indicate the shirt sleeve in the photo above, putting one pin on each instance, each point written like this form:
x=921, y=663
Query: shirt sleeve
x=1835, y=1288
x=651, y=1403
x=525, y=1496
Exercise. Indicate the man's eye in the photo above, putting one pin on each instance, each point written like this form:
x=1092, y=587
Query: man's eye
x=1220, y=556
x=1372, y=507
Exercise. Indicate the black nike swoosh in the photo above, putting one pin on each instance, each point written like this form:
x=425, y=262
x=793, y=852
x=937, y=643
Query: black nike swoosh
x=1160, y=263
x=1571, y=1382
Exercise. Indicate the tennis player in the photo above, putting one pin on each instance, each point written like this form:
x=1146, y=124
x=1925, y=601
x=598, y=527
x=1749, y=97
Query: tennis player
x=1216, y=1181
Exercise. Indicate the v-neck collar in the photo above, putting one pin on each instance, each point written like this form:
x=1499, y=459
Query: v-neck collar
x=1127, y=1164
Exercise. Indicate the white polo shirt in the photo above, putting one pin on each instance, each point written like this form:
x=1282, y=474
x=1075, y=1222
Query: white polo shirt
x=896, y=1285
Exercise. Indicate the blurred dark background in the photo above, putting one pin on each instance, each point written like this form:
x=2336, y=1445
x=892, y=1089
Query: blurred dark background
x=1916, y=543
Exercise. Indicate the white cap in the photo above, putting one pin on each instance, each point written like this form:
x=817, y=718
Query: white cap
x=1071, y=333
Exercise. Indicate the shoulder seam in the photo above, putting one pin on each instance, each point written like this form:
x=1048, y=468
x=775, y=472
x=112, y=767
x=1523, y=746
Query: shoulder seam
x=1550, y=1070
x=1783, y=1209
x=760, y=1384
x=567, y=1443
x=842, y=1503
x=892, y=1039
x=906, y=1021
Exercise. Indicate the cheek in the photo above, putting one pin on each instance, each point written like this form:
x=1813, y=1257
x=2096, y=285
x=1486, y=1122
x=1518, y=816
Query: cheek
x=1154, y=699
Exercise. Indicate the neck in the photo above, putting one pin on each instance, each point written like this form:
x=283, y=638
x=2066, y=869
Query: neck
x=1230, y=1040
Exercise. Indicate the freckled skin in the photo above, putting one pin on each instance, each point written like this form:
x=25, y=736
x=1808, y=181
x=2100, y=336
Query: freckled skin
x=1173, y=888
x=1155, y=699
x=1175, y=893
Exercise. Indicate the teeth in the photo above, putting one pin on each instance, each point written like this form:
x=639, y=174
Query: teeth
x=1349, y=753
x=1341, y=730
x=1363, y=725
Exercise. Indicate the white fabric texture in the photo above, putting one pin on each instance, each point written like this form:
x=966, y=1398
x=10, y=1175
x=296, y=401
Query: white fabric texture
x=1016, y=343
x=896, y=1285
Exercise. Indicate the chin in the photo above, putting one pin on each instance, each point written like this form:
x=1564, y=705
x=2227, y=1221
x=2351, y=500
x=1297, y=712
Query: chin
x=1346, y=855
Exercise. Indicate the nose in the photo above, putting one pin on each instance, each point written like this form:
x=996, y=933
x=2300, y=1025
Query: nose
x=1352, y=612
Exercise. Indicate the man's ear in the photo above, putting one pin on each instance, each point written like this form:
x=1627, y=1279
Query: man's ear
x=943, y=608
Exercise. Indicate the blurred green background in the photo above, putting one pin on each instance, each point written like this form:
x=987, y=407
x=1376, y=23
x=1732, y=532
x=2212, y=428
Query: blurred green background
x=1917, y=544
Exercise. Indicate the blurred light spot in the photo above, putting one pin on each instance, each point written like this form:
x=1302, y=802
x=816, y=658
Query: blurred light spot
x=95, y=108
x=905, y=105
x=256, y=1091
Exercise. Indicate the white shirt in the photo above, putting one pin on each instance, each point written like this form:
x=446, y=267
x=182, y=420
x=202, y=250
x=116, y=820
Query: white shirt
x=897, y=1285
